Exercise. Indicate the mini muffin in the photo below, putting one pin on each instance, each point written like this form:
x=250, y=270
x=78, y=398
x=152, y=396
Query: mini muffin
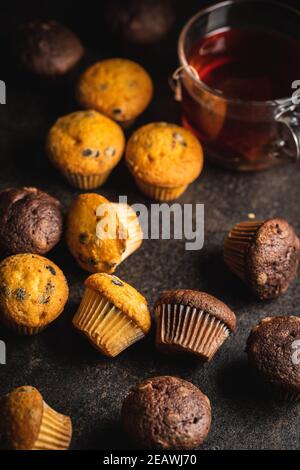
x=273, y=350
x=85, y=146
x=140, y=22
x=112, y=314
x=48, y=48
x=193, y=323
x=33, y=293
x=28, y=423
x=119, y=88
x=30, y=221
x=164, y=159
x=101, y=234
x=166, y=413
x=265, y=255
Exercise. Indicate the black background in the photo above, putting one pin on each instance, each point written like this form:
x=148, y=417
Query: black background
x=72, y=376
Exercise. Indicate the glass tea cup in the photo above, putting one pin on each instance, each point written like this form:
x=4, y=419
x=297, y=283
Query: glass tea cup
x=237, y=133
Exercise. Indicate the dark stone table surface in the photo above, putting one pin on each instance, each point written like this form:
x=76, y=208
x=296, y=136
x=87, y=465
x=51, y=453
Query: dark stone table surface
x=72, y=376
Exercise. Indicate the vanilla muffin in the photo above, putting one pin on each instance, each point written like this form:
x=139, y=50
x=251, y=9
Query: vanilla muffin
x=28, y=423
x=119, y=88
x=95, y=249
x=112, y=314
x=164, y=159
x=33, y=293
x=85, y=146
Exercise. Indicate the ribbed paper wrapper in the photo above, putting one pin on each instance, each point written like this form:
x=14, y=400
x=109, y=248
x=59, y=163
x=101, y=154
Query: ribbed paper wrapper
x=86, y=181
x=106, y=326
x=160, y=193
x=236, y=246
x=184, y=328
x=55, y=431
x=23, y=329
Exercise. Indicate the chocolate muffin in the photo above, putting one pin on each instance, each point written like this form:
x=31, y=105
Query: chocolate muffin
x=273, y=349
x=30, y=221
x=140, y=22
x=265, y=255
x=47, y=48
x=166, y=413
x=193, y=323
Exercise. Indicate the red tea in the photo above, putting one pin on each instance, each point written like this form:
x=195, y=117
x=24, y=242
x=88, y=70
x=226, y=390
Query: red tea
x=245, y=65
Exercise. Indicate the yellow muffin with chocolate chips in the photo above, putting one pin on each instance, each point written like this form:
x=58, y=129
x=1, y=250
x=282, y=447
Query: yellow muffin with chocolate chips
x=164, y=159
x=101, y=234
x=85, y=146
x=33, y=293
x=28, y=423
x=119, y=88
x=112, y=314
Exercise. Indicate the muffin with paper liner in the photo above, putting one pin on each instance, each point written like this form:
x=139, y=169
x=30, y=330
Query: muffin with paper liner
x=265, y=255
x=85, y=146
x=164, y=160
x=101, y=234
x=112, y=314
x=28, y=423
x=192, y=322
x=33, y=293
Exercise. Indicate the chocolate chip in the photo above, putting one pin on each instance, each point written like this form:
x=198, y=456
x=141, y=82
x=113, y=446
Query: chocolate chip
x=178, y=138
x=83, y=238
x=117, y=282
x=51, y=269
x=92, y=261
x=20, y=294
x=103, y=86
x=45, y=298
x=87, y=152
x=110, y=151
x=90, y=153
x=117, y=111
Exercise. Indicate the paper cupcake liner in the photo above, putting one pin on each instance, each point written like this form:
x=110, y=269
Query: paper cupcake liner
x=285, y=395
x=55, y=431
x=130, y=222
x=106, y=326
x=189, y=329
x=160, y=193
x=86, y=181
x=23, y=329
x=236, y=246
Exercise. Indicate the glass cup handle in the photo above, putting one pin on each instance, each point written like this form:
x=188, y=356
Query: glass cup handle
x=175, y=80
x=290, y=118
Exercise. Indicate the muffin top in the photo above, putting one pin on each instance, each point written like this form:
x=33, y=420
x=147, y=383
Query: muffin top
x=33, y=290
x=272, y=350
x=201, y=301
x=30, y=221
x=166, y=413
x=272, y=260
x=164, y=155
x=140, y=21
x=48, y=48
x=85, y=142
x=119, y=88
x=21, y=413
x=93, y=252
x=123, y=296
